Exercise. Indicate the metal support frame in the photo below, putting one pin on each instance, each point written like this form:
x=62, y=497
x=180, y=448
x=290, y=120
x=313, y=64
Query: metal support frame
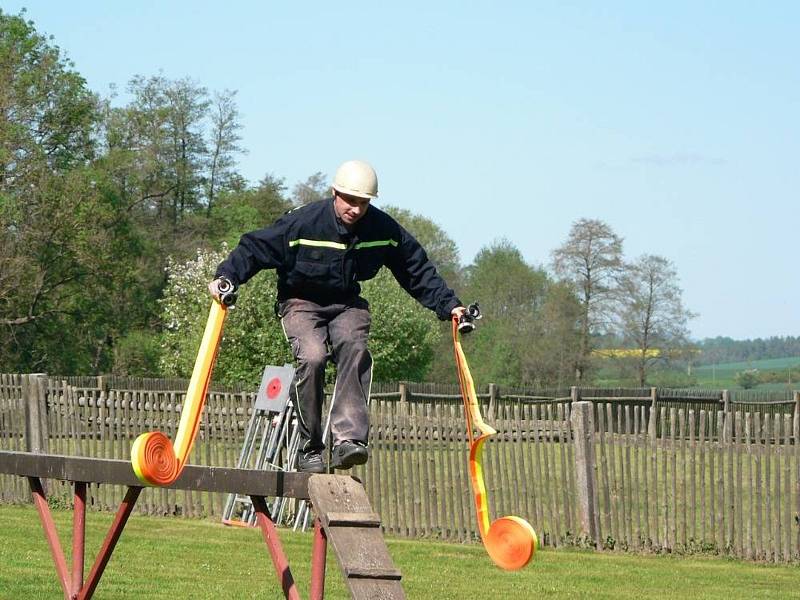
x=72, y=583
x=80, y=471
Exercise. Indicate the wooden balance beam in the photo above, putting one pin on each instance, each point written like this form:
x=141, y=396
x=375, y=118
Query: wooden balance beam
x=368, y=577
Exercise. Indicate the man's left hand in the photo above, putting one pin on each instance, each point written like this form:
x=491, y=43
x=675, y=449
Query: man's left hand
x=458, y=311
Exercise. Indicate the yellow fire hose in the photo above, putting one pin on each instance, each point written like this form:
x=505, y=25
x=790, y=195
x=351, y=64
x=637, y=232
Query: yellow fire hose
x=154, y=458
x=510, y=542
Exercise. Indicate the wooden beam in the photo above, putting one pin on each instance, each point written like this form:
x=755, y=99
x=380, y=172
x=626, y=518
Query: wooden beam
x=119, y=472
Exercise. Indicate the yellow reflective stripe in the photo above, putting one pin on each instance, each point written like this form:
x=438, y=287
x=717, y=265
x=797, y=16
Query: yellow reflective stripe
x=318, y=243
x=375, y=244
x=339, y=246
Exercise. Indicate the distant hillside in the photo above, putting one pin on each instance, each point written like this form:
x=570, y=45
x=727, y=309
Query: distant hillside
x=726, y=350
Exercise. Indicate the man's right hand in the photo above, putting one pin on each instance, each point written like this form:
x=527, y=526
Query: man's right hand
x=213, y=289
x=223, y=291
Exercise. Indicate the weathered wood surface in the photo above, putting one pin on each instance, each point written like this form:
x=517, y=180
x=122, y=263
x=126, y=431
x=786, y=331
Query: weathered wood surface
x=119, y=472
x=351, y=527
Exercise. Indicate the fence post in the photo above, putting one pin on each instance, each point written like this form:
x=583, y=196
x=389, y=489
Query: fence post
x=796, y=421
x=651, y=425
x=726, y=402
x=34, y=398
x=582, y=421
x=403, y=406
x=492, y=401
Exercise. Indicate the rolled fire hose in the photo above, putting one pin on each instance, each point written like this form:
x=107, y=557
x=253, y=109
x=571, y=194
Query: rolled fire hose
x=510, y=542
x=155, y=460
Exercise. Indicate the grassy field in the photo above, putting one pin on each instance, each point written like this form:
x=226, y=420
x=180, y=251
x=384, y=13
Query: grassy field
x=176, y=558
x=722, y=375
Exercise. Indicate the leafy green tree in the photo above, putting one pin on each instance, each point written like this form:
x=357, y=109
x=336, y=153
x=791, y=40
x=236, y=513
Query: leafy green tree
x=529, y=334
x=651, y=313
x=224, y=146
x=747, y=379
x=403, y=335
x=246, y=209
x=252, y=337
x=316, y=187
x=591, y=259
x=439, y=246
x=65, y=239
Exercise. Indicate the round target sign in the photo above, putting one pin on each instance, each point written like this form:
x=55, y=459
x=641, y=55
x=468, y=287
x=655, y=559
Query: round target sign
x=273, y=388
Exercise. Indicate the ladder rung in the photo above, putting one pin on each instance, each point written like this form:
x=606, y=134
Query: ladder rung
x=367, y=573
x=342, y=519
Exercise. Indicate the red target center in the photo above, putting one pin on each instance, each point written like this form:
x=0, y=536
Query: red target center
x=273, y=388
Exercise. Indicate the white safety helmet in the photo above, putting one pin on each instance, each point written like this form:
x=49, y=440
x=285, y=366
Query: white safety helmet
x=356, y=178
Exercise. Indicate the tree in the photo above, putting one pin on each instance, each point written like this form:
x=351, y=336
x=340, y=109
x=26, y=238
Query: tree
x=651, y=313
x=247, y=208
x=48, y=112
x=591, y=259
x=252, y=337
x=403, y=335
x=314, y=188
x=62, y=234
x=747, y=379
x=224, y=144
x=439, y=246
x=529, y=329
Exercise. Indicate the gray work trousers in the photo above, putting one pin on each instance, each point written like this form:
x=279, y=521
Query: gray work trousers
x=312, y=329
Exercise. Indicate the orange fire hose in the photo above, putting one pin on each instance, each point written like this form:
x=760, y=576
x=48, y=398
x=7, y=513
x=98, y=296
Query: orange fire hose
x=510, y=542
x=153, y=457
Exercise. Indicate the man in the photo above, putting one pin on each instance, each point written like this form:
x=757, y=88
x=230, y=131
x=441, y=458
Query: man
x=321, y=251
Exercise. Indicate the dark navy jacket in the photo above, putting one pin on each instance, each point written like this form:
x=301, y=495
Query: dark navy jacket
x=317, y=259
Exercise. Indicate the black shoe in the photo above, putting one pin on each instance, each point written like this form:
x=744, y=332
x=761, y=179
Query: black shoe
x=348, y=454
x=310, y=461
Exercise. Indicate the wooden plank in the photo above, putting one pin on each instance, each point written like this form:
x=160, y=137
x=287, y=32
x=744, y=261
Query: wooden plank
x=703, y=487
x=119, y=472
x=360, y=551
x=796, y=457
x=748, y=449
x=768, y=432
x=758, y=433
x=720, y=508
x=499, y=476
x=535, y=468
x=441, y=471
x=787, y=487
x=627, y=481
x=606, y=523
x=525, y=481
x=739, y=490
x=546, y=517
x=426, y=489
x=666, y=542
x=682, y=477
x=549, y=465
x=730, y=484
x=692, y=476
x=373, y=465
x=645, y=448
x=673, y=430
x=457, y=517
x=777, y=535
x=636, y=481
x=564, y=446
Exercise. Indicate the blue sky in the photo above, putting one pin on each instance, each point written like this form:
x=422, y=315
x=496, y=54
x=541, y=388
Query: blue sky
x=678, y=125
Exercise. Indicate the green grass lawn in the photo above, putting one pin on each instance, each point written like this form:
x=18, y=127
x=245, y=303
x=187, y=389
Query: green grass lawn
x=178, y=558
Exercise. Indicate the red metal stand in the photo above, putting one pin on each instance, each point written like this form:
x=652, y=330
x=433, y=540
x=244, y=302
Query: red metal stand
x=74, y=587
x=344, y=517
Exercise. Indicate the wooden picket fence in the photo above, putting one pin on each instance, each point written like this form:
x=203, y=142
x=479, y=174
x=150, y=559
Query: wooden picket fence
x=671, y=470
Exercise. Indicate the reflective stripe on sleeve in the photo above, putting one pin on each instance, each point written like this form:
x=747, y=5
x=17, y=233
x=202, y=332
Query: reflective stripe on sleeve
x=340, y=246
